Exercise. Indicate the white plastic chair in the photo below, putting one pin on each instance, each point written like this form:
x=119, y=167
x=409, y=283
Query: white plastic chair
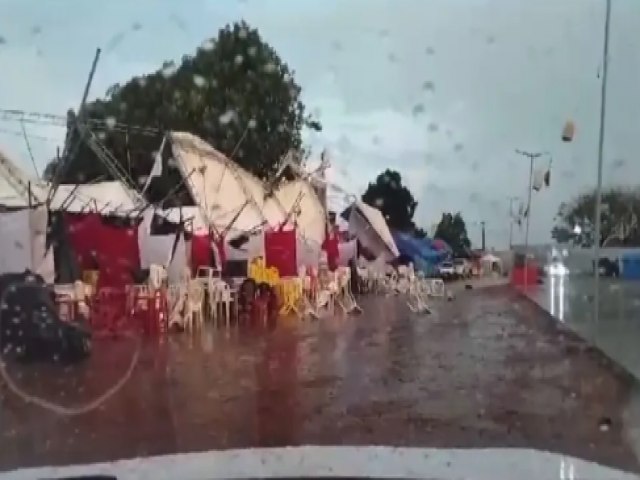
x=195, y=302
x=157, y=276
x=308, y=297
x=222, y=295
x=437, y=287
x=177, y=295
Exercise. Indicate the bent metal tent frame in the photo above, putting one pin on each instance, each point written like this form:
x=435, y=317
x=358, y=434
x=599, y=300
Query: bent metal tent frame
x=112, y=198
x=230, y=198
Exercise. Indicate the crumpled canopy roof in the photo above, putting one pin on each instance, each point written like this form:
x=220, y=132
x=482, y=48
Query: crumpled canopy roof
x=106, y=198
x=370, y=227
x=234, y=199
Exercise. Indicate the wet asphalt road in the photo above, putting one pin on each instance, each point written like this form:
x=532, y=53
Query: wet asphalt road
x=616, y=331
x=489, y=369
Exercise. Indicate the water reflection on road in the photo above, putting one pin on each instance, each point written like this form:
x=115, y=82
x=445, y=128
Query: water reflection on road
x=484, y=370
x=617, y=331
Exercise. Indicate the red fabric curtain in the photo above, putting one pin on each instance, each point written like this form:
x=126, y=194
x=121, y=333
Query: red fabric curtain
x=332, y=247
x=200, y=252
x=82, y=232
x=280, y=251
x=118, y=254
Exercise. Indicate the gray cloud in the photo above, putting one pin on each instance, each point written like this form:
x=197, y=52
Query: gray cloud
x=492, y=75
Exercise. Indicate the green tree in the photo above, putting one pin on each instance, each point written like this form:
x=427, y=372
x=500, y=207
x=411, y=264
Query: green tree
x=453, y=231
x=619, y=222
x=393, y=199
x=235, y=93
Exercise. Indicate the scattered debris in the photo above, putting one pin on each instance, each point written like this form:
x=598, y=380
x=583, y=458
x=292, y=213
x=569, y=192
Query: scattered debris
x=604, y=424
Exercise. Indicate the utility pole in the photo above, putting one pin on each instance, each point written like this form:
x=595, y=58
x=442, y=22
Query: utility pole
x=531, y=156
x=482, y=224
x=79, y=118
x=511, y=200
x=598, y=208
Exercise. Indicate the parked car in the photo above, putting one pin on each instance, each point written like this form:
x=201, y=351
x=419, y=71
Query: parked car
x=462, y=267
x=446, y=270
x=608, y=267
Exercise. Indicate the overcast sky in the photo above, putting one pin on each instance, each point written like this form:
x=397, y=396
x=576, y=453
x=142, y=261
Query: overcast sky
x=442, y=90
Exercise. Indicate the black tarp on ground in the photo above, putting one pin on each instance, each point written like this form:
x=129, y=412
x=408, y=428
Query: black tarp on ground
x=30, y=329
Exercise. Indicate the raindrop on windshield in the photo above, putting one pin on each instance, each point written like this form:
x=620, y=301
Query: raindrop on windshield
x=199, y=81
x=110, y=122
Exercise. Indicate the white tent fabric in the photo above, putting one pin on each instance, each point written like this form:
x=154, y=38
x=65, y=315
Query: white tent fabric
x=301, y=204
x=347, y=251
x=225, y=191
x=41, y=257
x=307, y=252
x=14, y=242
x=490, y=261
x=178, y=262
x=15, y=185
x=370, y=227
x=108, y=198
x=154, y=249
x=220, y=188
x=23, y=243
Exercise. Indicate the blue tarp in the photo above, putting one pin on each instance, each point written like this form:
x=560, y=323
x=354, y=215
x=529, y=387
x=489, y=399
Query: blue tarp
x=631, y=266
x=424, y=256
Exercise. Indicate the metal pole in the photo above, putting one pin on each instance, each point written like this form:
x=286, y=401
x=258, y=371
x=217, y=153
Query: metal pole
x=526, y=231
x=511, y=200
x=598, y=208
x=531, y=157
x=87, y=87
x=63, y=163
x=483, y=236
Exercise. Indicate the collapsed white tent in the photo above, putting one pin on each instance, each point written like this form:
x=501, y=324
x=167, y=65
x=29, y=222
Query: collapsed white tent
x=230, y=198
x=370, y=228
x=107, y=198
x=227, y=195
x=17, y=189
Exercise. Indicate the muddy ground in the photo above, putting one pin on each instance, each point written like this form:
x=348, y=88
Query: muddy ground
x=489, y=369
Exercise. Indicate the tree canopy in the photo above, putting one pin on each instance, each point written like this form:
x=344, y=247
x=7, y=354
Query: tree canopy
x=235, y=93
x=619, y=222
x=453, y=230
x=393, y=199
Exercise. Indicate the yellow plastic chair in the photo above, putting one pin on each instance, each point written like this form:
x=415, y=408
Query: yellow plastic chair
x=272, y=276
x=291, y=295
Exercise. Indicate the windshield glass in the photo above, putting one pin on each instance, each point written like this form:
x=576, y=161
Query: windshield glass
x=245, y=224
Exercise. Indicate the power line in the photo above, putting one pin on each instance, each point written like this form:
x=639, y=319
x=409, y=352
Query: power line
x=61, y=121
x=31, y=136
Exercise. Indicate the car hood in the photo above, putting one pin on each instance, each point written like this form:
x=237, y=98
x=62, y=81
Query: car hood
x=340, y=462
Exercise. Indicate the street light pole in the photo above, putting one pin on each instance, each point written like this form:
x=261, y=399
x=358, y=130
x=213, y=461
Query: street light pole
x=598, y=208
x=531, y=156
x=511, y=200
